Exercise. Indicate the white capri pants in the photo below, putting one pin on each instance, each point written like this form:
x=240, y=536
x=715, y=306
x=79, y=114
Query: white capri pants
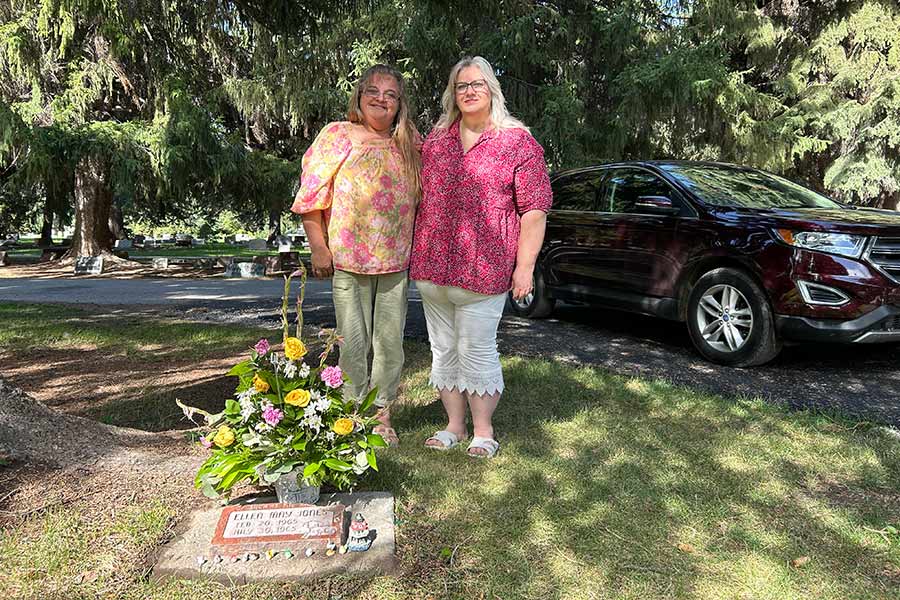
x=462, y=329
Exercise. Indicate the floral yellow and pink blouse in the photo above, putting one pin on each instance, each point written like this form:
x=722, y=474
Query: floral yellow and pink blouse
x=368, y=203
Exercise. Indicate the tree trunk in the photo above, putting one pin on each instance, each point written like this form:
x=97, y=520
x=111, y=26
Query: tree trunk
x=274, y=223
x=47, y=227
x=117, y=223
x=93, y=199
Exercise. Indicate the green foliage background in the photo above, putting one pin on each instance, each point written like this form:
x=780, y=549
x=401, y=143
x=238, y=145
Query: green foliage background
x=203, y=106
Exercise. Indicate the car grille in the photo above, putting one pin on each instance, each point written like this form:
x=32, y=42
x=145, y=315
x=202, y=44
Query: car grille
x=823, y=295
x=885, y=254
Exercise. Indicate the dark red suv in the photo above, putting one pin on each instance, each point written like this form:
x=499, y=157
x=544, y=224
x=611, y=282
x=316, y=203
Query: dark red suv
x=748, y=259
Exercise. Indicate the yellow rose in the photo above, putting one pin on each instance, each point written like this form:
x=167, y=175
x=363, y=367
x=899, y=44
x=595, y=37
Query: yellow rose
x=342, y=426
x=224, y=437
x=294, y=348
x=260, y=384
x=297, y=398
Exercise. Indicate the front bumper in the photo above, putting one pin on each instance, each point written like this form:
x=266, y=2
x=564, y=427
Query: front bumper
x=879, y=325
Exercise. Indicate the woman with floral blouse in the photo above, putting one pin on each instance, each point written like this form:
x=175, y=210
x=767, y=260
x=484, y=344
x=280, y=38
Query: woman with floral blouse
x=358, y=194
x=479, y=228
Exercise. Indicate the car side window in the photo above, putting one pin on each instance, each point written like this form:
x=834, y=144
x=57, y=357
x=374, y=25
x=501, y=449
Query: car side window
x=578, y=191
x=625, y=186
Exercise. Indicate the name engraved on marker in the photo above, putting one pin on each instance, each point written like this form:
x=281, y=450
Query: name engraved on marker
x=303, y=522
x=278, y=526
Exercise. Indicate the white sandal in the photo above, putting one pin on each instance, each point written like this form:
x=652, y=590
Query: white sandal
x=490, y=446
x=448, y=440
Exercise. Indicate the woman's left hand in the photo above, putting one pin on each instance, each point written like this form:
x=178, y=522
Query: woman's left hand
x=522, y=281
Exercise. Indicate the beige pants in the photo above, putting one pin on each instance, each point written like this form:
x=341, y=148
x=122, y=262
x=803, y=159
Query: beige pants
x=371, y=315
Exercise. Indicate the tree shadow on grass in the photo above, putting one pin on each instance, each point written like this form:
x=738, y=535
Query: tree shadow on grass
x=633, y=489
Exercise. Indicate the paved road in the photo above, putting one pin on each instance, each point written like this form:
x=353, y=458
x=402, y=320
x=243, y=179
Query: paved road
x=860, y=380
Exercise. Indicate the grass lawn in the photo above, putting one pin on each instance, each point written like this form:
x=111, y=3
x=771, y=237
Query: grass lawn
x=606, y=487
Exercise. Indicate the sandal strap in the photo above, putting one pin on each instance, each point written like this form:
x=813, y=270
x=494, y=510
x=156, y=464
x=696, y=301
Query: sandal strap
x=489, y=445
x=447, y=438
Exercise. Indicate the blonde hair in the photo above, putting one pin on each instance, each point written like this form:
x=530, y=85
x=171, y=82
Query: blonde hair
x=500, y=117
x=403, y=131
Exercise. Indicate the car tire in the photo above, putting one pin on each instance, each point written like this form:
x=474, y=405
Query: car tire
x=536, y=305
x=730, y=320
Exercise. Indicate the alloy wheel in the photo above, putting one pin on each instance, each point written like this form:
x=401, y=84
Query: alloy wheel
x=725, y=318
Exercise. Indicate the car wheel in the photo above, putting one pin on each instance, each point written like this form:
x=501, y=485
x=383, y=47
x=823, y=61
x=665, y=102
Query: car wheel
x=535, y=305
x=730, y=320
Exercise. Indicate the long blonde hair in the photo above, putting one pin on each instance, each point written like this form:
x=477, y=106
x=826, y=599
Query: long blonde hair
x=403, y=130
x=500, y=116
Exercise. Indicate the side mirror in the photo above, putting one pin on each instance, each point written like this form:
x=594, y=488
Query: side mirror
x=656, y=205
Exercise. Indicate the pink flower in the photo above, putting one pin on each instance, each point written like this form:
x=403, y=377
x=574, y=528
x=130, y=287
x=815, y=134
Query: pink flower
x=206, y=443
x=272, y=415
x=332, y=376
x=347, y=237
x=262, y=346
x=382, y=201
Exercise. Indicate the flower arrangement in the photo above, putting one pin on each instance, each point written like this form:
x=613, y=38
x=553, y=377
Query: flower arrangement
x=287, y=415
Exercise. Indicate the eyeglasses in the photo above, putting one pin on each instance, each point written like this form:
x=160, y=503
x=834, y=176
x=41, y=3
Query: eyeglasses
x=478, y=86
x=388, y=95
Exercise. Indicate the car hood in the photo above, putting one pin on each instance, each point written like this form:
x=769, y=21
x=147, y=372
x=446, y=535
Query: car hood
x=865, y=221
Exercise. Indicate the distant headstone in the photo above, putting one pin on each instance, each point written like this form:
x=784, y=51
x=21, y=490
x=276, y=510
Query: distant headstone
x=161, y=263
x=88, y=265
x=285, y=247
x=2, y=258
x=257, y=244
x=245, y=270
x=123, y=245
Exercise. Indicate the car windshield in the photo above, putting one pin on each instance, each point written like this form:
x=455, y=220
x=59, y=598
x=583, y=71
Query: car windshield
x=746, y=188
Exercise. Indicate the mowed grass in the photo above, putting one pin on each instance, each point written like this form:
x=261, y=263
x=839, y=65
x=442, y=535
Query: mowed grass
x=31, y=327
x=606, y=487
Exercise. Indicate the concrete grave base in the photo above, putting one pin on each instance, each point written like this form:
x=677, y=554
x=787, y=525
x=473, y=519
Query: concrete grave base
x=178, y=558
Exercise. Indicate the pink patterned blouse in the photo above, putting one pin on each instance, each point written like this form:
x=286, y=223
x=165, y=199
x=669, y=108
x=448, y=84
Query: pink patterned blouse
x=467, y=228
x=369, y=206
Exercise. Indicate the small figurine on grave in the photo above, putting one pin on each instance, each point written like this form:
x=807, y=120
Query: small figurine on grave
x=358, y=540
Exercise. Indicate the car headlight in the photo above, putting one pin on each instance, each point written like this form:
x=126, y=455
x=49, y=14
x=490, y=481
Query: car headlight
x=844, y=244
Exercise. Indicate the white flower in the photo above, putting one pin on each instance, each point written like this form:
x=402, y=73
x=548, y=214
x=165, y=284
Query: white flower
x=313, y=422
x=329, y=435
x=322, y=403
x=290, y=369
x=262, y=427
x=304, y=370
x=247, y=408
x=246, y=394
x=310, y=410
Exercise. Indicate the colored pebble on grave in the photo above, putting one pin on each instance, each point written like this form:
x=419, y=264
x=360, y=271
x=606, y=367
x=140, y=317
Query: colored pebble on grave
x=310, y=552
x=218, y=559
x=270, y=554
x=288, y=554
x=329, y=552
x=235, y=558
x=201, y=560
x=343, y=549
x=251, y=556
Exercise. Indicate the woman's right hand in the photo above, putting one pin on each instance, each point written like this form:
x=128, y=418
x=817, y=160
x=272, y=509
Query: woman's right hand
x=322, y=263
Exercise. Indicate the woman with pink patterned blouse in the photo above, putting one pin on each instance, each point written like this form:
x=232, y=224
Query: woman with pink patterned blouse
x=479, y=228
x=358, y=194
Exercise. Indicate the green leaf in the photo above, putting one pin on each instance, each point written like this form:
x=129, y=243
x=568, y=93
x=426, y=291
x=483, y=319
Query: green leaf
x=370, y=456
x=376, y=440
x=311, y=469
x=299, y=445
x=232, y=407
x=368, y=401
x=338, y=465
x=240, y=369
